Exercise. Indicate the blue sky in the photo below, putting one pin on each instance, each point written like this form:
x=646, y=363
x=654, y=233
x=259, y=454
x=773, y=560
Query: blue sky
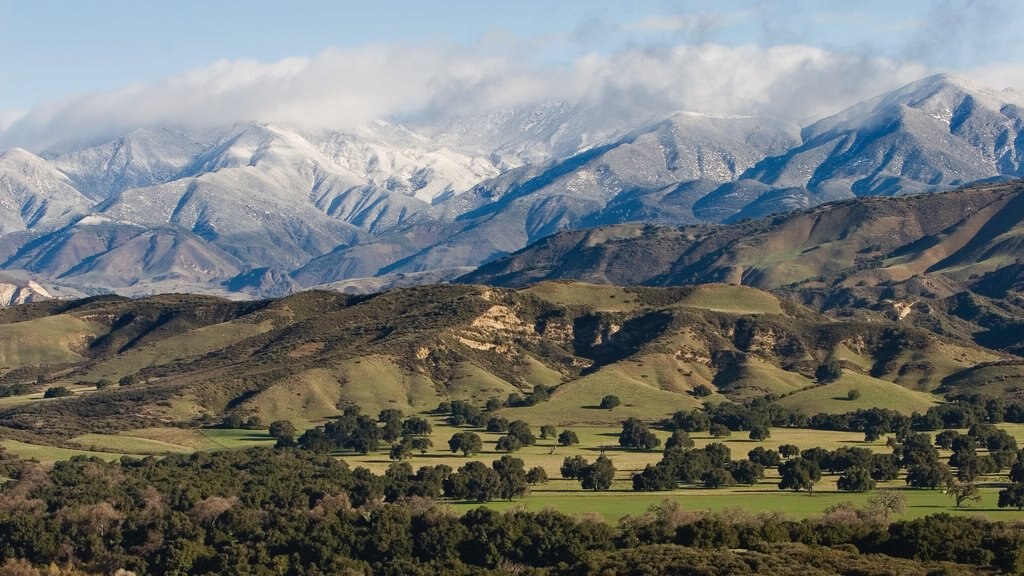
x=58, y=54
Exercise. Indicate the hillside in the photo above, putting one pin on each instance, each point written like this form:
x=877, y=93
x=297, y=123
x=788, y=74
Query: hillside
x=190, y=360
x=948, y=261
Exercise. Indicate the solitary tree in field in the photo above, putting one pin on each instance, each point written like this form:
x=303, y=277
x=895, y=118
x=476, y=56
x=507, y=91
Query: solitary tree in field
x=963, y=492
x=548, y=431
x=610, y=401
x=567, y=438
x=537, y=475
x=760, y=433
x=853, y=394
x=886, y=502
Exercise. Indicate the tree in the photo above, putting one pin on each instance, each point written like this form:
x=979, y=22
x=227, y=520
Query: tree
x=929, y=474
x=718, y=454
x=945, y=439
x=884, y=467
x=129, y=380
x=963, y=492
x=746, y=471
x=1012, y=496
x=856, y=479
x=493, y=404
x=512, y=477
x=573, y=466
x=610, y=401
x=760, y=433
x=702, y=391
x=548, y=431
x=829, y=371
x=886, y=502
x=253, y=423
x=599, y=475
x=390, y=415
x=316, y=441
x=508, y=443
x=537, y=475
x=232, y=422
x=497, y=424
x=567, y=438
x=421, y=444
x=465, y=442
x=1017, y=472
x=680, y=439
x=521, y=430
x=636, y=435
x=799, y=474
x=719, y=430
x=654, y=477
x=416, y=426
x=281, y=429
x=718, y=477
x=401, y=450
x=695, y=420
x=767, y=458
x=473, y=481
x=853, y=394
x=788, y=450
x=57, y=392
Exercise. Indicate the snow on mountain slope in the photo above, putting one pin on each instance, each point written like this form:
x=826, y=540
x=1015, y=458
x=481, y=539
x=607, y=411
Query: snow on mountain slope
x=35, y=195
x=143, y=157
x=261, y=209
x=506, y=214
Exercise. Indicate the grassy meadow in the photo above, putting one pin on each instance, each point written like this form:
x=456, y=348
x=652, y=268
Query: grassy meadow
x=566, y=495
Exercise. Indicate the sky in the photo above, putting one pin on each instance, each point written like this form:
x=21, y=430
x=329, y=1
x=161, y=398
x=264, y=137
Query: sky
x=94, y=68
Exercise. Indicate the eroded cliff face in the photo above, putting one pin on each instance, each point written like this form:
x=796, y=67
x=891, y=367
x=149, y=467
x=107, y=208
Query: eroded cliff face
x=13, y=294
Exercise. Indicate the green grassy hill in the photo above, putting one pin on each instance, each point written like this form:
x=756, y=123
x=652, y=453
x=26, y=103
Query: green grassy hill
x=192, y=360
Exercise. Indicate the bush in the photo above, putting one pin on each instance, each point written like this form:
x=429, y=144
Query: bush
x=57, y=392
x=853, y=394
x=610, y=401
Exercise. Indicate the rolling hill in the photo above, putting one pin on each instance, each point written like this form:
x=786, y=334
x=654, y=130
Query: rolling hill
x=186, y=361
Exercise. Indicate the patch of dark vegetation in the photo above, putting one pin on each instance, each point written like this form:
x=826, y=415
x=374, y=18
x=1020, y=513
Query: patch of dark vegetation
x=310, y=512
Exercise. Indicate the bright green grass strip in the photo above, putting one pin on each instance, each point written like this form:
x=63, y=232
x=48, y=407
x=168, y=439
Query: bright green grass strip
x=612, y=505
x=50, y=454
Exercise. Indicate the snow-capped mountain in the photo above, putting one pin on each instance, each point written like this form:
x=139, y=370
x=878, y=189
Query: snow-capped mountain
x=265, y=209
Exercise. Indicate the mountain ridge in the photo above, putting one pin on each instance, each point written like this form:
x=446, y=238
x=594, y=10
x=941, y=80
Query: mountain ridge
x=322, y=207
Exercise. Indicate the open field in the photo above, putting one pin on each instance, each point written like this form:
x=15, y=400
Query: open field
x=764, y=497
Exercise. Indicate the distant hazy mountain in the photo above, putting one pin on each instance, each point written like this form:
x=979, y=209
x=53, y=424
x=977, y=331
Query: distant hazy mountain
x=260, y=209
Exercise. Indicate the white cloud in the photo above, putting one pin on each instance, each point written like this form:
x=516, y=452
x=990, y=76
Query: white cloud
x=340, y=88
x=998, y=75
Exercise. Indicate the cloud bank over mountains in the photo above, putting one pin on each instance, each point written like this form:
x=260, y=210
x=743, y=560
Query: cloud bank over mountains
x=339, y=89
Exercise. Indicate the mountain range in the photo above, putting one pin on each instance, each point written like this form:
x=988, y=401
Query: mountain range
x=265, y=210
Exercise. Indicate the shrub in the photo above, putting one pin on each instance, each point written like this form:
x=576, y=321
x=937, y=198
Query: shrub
x=57, y=392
